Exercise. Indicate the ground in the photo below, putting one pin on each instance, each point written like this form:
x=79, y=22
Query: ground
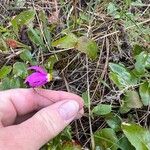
x=94, y=47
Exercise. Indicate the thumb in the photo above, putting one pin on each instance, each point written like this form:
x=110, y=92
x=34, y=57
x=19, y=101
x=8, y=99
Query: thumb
x=44, y=125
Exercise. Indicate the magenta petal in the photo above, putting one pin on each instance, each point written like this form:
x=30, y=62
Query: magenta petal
x=36, y=79
x=37, y=84
x=38, y=69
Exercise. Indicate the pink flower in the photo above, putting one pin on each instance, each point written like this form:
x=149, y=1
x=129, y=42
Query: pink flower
x=38, y=78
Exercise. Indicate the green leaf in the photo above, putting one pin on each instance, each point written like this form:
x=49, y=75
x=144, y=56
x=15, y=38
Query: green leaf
x=35, y=36
x=20, y=70
x=138, y=136
x=50, y=62
x=140, y=64
x=124, y=109
x=124, y=144
x=115, y=78
x=88, y=47
x=131, y=100
x=20, y=3
x=15, y=83
x=68, y=41
x=128, y=2
x=22, y=19
x=102, y=109
x=71, y=146
x=144, y=91
x=106, y=139
x=121, y=76
x=4, y=71
x=5, y=84
x=84, y=16
x=44, y=20
x=112, y=10
x=85, y=98
x=26, y=55
x=147, y=65
x=114, y=121
x=82, y=44
x=8, y=83
x=120, y=70
x=3, y=29
x=67, y=134
x=137, y=3
x=3, y=45
x=137, y=49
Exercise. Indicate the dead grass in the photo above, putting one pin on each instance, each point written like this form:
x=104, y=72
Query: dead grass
x=78, y=73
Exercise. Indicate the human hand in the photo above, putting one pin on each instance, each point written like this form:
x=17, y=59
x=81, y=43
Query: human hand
x=20, y=129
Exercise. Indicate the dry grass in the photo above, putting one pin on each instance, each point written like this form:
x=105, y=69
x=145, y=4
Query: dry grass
x=78, y=73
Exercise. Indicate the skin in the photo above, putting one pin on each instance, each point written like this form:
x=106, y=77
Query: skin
x=30, y=118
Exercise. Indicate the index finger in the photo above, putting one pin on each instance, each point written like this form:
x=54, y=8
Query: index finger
x=22, y=101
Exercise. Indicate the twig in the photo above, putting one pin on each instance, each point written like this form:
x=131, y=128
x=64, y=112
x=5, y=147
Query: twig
x=105, y=67
x=107, y=35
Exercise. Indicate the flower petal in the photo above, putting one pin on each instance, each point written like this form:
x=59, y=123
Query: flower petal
x=37, y=84
x=36, y=79
x=38, y=69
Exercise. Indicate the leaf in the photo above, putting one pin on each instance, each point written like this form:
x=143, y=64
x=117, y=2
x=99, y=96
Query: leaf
x=137, y=3
x=3, y=45
x=114, y=121
x=85, y=98
x=120, y=70
x=147, y=65
x=5, y=84
x=88, y=47
x=138, y=136
x=26, y=55
x=102, y=109
x=124, y=109
x=35, y=37
x=82, y=44
x=8, y=83
x=71, y=145
x=22, y=19
x=20, y=70
x=128, y=2
x=140, y=64
x=4, y=71
x=84, y=16
x=121, y=76
x=50, y=62
x=15, y=83
x=112, y=10
x=115, y=78
x=106, y=139
x=3, y=29
x=20, y=3
x=67, y=42
x=67, y=134
x=124, y=144
x=144, y=91
x=15, y=44
x=44, y=21
x=131, y=100
x=137, y=49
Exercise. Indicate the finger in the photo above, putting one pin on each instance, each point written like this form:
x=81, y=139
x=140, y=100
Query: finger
x=20, y=119
x=43, y=126
x=22, y=101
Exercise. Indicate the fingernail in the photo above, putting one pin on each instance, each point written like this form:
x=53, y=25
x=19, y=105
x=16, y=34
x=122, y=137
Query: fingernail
x=69, y=109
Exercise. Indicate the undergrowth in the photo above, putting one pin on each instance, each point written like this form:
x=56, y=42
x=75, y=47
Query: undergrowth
x=97, y=49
